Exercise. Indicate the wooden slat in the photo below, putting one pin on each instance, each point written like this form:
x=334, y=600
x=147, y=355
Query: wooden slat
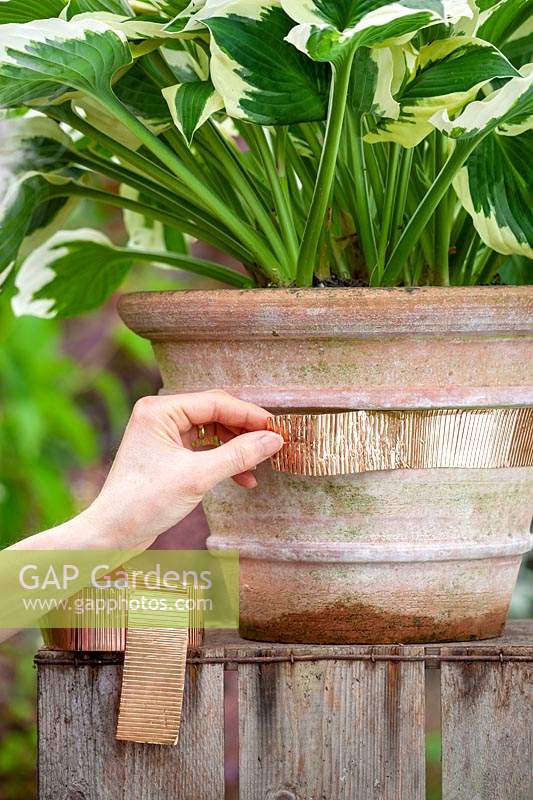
x=487, y=727
x=332, y=729
x=80, y=759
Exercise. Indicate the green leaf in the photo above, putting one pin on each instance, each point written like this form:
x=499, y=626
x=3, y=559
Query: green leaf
x=120, y=7
x=447, y=74
x=499, y=21
x=495, y=188
x=28, y=10
x=519, y=51
x=329, y=30
x=143, y=99
x=191, y=104
x=509, y=108
x=84, y=54
x=261, y=78
x=516, y=271
x=72, y=273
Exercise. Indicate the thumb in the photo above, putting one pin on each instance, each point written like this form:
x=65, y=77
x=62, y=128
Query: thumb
x=239, y=455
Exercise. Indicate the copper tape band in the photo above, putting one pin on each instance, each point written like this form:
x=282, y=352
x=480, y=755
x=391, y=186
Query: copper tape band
x=365, y=441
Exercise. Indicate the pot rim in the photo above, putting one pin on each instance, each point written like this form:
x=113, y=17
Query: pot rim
x=343, y=313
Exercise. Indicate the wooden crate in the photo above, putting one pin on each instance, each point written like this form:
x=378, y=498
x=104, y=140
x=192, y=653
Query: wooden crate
x=331, y=728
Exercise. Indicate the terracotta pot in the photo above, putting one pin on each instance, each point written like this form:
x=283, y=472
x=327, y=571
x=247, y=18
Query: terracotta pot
x=410, y=556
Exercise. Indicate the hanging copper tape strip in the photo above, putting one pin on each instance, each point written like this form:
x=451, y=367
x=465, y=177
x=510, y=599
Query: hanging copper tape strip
x=155, y=662
x=365, y=441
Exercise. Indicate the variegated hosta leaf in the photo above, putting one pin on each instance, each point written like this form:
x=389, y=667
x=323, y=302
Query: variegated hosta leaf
x=328, y=29
x=259, y=75
x=135, y=29
x=142, y=97
x=29, y=205
x=27, y=10
x=120, y=7
x=149, y=234
x=73, y=272
x=38, y=56
x=448, y=73
x=191, y=104
x=373, y=74
x=495, y=188
x=498, y=21
x=32, y=144
x=186, y=66
x=519, y=51
x=509, y=109
x=186, y=19
x=171, y=8
x=93, y=112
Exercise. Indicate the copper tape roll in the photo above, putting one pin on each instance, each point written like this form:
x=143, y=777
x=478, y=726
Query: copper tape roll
x=155, y=643
x=365, y=441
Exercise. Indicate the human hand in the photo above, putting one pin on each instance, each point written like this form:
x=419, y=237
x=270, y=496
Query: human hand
x=157, y=479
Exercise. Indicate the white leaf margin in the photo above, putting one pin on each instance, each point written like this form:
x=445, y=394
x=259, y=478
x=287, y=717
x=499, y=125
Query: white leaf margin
x=36, y=272
x=481, y=114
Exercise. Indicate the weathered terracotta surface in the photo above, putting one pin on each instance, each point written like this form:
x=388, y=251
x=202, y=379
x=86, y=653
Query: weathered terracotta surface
x=421, y=555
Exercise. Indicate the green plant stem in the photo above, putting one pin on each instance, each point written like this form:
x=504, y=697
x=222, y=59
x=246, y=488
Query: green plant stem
x=467, y=244
x=136, y=160
x=241, y=230
x=425, y=210
x=442, y=218
x=326, y=171
x=404, y=177
x=240, y=179
x=374, y=176
x=123, y=202
x=283, y=209
x=198, y=266
x=192, y=223
x=177, y=143
x=387, y=214
x=365, y=227
x=490, y=268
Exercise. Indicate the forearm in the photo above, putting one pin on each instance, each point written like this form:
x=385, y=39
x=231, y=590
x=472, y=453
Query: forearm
x=79, y=533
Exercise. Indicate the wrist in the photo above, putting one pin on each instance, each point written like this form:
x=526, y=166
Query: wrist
x=109, y=528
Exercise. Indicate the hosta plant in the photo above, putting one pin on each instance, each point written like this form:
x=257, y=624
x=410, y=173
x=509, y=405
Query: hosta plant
x=356, y=142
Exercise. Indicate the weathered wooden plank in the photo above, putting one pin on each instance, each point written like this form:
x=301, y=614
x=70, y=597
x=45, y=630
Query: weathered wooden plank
x=332, y=730
x=80, y=759
x=517, y=632
x=487, y=727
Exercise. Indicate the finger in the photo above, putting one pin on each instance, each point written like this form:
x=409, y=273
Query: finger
x=246, y=479
x=237, y=456
x=215, y=406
